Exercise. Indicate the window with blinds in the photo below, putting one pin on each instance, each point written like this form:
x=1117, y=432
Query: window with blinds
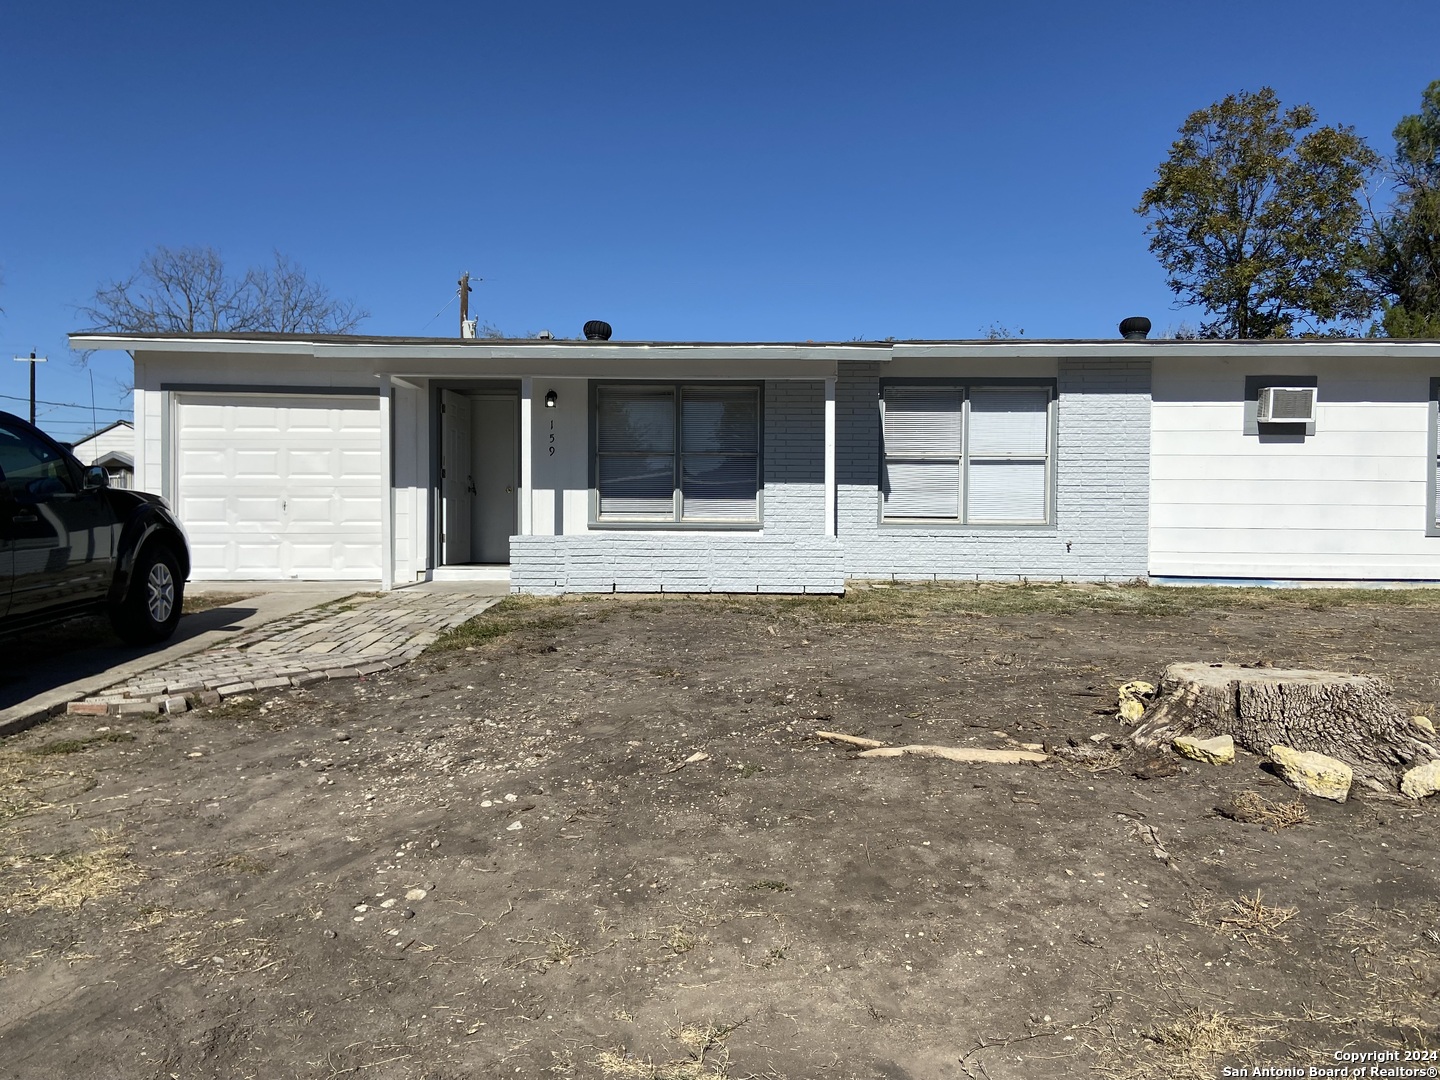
x=975, y=456
x=678, y=453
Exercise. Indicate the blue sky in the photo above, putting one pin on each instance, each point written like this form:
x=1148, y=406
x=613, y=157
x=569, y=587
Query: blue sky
x=686, y=171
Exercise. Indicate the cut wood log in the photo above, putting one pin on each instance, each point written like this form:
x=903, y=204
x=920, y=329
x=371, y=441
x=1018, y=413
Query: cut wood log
x=1350, y=717
x=953, y=753
x=849, y=740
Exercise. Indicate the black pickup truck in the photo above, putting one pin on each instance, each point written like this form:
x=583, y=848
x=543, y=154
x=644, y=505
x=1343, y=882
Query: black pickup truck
x=72, y=545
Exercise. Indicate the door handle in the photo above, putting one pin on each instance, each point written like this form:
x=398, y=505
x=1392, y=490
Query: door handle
x=24, y=519
x=509, y=490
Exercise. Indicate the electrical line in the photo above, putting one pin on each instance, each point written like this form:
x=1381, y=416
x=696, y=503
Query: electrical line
x=442, y=310
x=65, y=404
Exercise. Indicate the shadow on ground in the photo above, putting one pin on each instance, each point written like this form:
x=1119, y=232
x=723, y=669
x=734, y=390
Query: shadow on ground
x=42, y=660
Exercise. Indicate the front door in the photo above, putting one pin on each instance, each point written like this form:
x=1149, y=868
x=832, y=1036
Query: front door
x=494, y=421
x=457, y=479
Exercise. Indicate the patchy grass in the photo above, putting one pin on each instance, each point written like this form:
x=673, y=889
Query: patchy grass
x=1252, y=808
x=767, y=885
x=66, y=880
x=1248, y=917
x=511, y=614
x=555, y=948
x=914, y=602
x=207, y=601
x=242, y=864
x=909, y=603
x=1194, y=1042
x=698, y=1040
x=28, y=785
x=74, y=746
x=680, y=940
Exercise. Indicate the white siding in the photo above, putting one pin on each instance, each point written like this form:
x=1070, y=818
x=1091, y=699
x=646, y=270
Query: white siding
x=1348, y=502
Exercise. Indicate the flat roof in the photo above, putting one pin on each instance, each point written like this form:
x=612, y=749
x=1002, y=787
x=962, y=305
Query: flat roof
x=398, y=346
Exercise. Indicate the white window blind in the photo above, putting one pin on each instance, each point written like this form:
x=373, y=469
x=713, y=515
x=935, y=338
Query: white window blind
x=985, y=460
x=923, y=451
x=1009, y=452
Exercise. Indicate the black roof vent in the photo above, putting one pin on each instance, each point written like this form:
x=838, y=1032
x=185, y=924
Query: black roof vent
x=1135, y=328
x=596, y=330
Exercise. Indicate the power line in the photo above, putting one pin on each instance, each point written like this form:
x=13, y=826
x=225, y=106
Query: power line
x=65, y=404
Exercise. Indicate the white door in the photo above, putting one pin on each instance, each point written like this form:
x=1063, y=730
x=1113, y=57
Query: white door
x=496, y=471
x=457, y=483
x=272, y=486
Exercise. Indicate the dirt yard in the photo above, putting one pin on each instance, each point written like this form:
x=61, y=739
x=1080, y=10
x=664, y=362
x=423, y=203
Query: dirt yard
x=498, y=862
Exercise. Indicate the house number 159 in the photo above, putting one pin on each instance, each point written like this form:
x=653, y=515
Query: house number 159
x=552, y=438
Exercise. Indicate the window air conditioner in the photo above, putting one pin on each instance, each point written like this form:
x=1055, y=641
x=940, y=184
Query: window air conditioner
x=1286, y=405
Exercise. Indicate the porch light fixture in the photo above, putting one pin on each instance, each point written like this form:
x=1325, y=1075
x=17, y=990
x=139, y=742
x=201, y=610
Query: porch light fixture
x=550, y=398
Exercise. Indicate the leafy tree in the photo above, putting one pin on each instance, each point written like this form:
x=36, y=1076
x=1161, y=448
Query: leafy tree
x=1257, y=218
x=1404, y=252
x=188, y=290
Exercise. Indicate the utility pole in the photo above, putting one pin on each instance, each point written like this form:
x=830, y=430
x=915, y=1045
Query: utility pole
x=464, y=301
x=32, y=360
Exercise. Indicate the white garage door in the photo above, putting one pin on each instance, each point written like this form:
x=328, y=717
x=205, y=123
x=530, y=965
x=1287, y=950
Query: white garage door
x=280, y=487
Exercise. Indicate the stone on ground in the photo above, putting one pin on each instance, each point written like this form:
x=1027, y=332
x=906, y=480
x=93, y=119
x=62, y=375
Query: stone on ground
x=1135, y=697
x=1421, y=781
x=1217, y=751
x=1424, y=724
x=1313, y=773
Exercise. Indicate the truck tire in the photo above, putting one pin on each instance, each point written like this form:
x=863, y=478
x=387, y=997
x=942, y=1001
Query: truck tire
x=150, y=610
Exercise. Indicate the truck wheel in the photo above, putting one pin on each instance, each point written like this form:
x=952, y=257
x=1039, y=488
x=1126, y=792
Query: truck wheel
x=150, y=610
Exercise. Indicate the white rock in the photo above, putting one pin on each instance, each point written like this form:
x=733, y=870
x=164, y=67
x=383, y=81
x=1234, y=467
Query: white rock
x=1421, y=781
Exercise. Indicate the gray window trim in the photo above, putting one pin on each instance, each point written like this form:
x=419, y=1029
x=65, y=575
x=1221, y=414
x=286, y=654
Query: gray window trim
x=967, y=383
x=675, y=524
x=1432, y=462
x=1253, y=385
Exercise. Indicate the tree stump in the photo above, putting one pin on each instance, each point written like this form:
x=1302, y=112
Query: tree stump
x=1349, y=717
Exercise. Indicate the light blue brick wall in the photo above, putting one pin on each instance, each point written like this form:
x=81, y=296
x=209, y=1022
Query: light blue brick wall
x=1101, y=500
x=1102, y=489
x=789, y=554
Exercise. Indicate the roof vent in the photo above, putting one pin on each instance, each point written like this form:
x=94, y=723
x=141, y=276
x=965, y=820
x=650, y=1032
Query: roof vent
x=545, y=335
x=1135, y=328
x=596, y=330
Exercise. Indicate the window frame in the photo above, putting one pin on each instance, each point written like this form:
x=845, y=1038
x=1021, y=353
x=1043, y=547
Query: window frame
x=1432, y=462
x=967, y=385
x=676, y=522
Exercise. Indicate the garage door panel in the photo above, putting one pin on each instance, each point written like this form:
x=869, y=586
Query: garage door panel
x=282, y=487
x=310, y=510
x=204, y=463
x=256, y=465
x=311, y=464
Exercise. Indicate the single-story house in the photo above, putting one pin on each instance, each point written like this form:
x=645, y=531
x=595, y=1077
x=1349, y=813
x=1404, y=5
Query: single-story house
x=599, y=465
x=113, y=449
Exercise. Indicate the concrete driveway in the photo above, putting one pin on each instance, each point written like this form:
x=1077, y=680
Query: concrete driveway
x=293, y=632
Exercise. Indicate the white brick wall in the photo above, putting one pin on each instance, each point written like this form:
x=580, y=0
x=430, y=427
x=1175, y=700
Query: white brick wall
x=790, y=553
x=1101, y=489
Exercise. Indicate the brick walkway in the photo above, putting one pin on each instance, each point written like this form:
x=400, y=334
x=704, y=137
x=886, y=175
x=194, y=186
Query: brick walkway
x=357, y=636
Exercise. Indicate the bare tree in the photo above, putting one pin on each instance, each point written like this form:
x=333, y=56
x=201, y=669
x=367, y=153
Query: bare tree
x=187, y=290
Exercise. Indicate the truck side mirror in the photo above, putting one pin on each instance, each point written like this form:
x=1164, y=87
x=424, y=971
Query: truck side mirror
x=96, y=477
